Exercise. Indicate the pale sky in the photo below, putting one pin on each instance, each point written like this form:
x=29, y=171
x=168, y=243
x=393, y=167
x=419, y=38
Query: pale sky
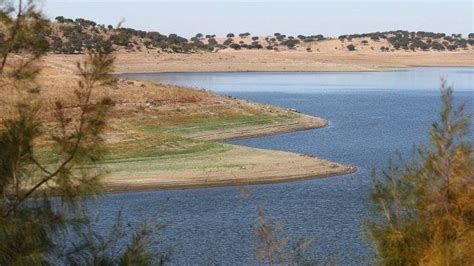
x=264, y=17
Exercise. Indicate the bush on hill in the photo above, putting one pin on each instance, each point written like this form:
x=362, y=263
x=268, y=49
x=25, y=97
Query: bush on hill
x=351, y=47
x=228, y=41
x=244, y=35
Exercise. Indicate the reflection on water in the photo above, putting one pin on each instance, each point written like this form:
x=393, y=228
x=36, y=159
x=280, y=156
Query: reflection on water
x=371, y=114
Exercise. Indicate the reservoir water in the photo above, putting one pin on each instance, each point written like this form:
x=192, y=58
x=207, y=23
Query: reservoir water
x=372, y=115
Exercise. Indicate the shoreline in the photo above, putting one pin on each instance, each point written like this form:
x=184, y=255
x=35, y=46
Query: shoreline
x=228, y=61
x=387, y=69
x=232, y=165
x=304, y=122
x=119, y=189
x=285, y=167
x=249, y=166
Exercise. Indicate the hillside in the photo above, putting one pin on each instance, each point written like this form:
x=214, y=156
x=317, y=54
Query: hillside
x=68, y=36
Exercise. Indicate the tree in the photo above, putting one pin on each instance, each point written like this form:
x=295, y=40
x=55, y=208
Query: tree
x=424, y=209
x=60, y=19
x=437, y=46
x=244, y=35
x=230, y=35
x=31, y=222
x=235, y=46
x=212, y=42
x=228, y=41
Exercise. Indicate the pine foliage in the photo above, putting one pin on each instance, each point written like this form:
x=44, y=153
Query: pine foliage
x=425, y=209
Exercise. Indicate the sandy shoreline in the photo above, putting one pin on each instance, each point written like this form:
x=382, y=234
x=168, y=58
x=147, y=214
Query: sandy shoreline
x=170, y=137
x=111, y=187
x=182, y=115
x=303, y=122
x=271, y=61
x=261, y=167
x=236, y=165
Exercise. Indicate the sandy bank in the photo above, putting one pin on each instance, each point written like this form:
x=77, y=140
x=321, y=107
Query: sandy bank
x=251, y=60
x=237, y=166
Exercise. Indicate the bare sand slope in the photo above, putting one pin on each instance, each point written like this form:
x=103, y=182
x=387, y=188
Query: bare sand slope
x=263, y=60
x=237, y=166
x=300, y=122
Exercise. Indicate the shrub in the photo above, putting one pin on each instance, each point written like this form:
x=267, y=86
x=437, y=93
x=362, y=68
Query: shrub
x=60, y=19
x=437, y=46
x=244, y=35
x=351, y=47
x=235, y=46
x=212, y=42
x=228, y=41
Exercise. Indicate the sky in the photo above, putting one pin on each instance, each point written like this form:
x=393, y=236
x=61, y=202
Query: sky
x=265, y=17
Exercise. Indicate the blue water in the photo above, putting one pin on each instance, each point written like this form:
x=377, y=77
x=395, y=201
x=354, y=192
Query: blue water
x=372, y=116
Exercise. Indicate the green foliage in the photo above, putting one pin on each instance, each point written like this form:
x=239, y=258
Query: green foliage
x=31, y=222
x=425, y=209
x=24, y=30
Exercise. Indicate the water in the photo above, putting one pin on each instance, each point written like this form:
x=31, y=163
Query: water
x=372, y=115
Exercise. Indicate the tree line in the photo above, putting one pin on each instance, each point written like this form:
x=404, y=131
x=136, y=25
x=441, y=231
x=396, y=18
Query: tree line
x=421, y=40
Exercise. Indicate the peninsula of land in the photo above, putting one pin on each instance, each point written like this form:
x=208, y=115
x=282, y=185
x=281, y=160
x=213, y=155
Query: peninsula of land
x=163, y=136
x=168, y=137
